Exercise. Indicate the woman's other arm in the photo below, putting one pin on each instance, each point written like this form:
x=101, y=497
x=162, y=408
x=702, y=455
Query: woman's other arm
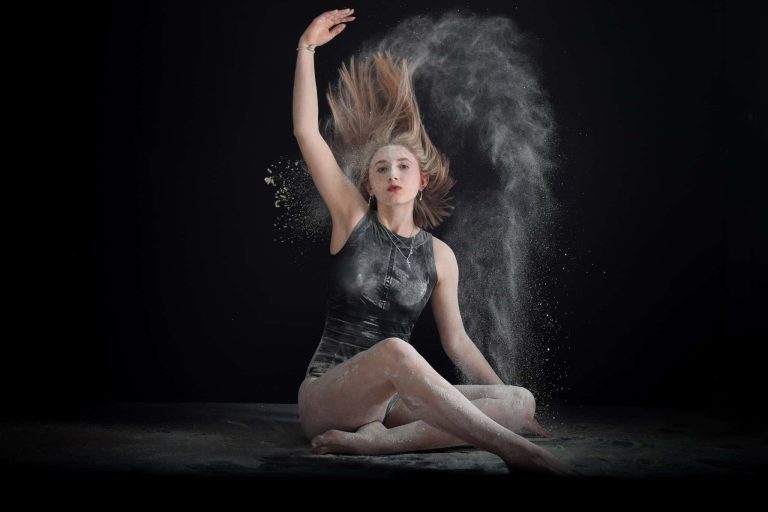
x=468, y=358
x=445, y=305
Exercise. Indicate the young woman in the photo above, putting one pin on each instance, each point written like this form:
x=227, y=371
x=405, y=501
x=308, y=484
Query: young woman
x=367, y=390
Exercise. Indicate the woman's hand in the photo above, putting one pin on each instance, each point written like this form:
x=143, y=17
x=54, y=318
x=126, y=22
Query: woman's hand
x=325, y=27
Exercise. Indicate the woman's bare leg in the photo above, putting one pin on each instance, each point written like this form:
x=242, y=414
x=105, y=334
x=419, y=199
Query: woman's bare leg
x=514, y=408
x=376, y=439
x=438, y=403
x=511, y=406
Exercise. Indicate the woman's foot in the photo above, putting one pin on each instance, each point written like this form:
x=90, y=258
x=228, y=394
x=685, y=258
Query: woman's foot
x=360, y=442
x=534, y=428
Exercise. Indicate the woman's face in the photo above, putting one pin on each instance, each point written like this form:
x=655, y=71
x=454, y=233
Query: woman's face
x=394, y=166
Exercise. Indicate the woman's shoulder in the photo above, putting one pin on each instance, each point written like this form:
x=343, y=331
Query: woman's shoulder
x=441, y=246
x=445, y=259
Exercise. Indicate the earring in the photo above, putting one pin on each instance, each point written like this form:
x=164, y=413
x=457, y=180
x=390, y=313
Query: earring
x=369, y=200
x=422, y=194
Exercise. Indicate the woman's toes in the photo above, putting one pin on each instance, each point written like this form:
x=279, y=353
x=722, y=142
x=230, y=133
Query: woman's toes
x=535, y=428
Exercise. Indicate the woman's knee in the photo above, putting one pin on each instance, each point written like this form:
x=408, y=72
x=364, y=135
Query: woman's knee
x=524, y=399
x=398, y=350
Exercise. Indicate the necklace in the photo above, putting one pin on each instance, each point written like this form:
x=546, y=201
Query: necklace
x=410, y=251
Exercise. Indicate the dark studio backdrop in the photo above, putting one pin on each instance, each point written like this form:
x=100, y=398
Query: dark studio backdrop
x=163, y=278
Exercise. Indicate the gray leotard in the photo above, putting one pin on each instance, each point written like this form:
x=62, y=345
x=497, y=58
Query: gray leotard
x=374, y=293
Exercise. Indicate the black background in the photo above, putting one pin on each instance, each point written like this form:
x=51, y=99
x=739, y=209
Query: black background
x=152, y=270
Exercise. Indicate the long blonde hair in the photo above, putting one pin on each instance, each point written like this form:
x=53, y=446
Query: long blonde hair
x=374, y=105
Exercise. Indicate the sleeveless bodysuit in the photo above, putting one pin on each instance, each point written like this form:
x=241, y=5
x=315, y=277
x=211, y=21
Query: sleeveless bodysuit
x=374, y=293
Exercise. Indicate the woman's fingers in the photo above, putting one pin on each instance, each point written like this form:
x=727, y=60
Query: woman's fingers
x=339, y=13
x=332, y=22
x=336, y=17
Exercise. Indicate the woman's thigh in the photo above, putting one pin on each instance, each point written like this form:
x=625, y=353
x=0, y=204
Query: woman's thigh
x=515, y=400
x=499, y=391
x=352, y=393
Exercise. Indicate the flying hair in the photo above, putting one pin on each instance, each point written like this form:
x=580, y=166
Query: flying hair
x=373, y=105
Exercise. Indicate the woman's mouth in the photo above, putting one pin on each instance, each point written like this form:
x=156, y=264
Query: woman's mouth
x=394, y=189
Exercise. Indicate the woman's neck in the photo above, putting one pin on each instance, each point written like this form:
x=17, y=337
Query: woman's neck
x=398, y=221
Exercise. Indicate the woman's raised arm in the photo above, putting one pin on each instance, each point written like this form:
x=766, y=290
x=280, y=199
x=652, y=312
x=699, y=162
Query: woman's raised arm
x=344, y=201
x=322, y=29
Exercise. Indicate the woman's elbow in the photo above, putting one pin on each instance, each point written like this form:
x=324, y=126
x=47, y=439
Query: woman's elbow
x=455, y=345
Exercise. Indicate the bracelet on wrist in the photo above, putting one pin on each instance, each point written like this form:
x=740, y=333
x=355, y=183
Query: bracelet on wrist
x=310, y=47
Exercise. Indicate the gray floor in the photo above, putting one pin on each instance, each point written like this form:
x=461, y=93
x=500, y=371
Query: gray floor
x=264, y=441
